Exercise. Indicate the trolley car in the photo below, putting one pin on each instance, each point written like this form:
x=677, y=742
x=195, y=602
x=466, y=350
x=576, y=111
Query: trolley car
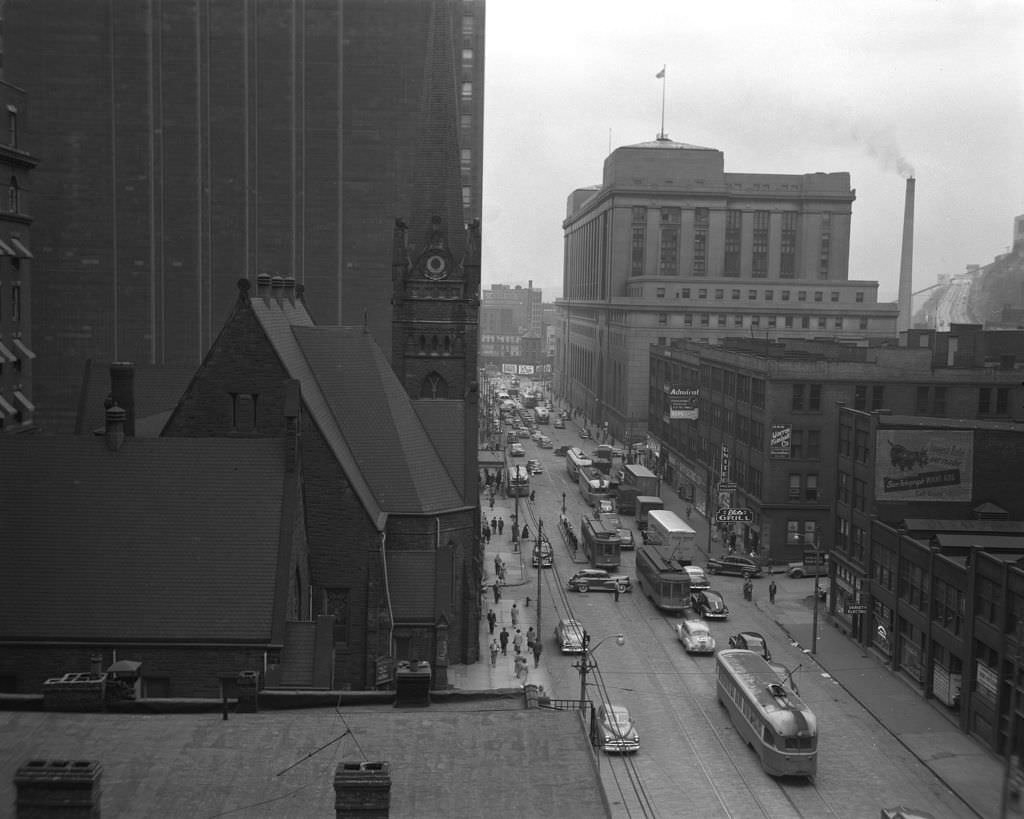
x=772, y=719
x=600, y=545
x=594, y=485
x=575, y=459
x=517, y=481
x=662, y=577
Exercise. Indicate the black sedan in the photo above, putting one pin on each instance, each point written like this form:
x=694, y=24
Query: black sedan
x=599, y=580
x=710, y=604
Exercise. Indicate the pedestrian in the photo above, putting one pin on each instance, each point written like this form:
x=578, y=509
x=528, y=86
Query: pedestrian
x=689, y=511
x=501, y=525
x=517, y=642
x=497, y=591
x=503, y=641
x=515, y=615
x=522, y=669
x=616, y=590
x=531, y=637
x=492, y=500
x=526, y=532
x=494, y=524
x=748, y=589
x=533, y=494
x=497, y=565
x=494, y=653
x=492, y=620
x=537, y=649
x=772, y=588
x=501, y=571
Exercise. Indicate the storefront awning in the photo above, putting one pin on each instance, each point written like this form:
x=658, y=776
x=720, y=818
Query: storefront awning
x=24, y=350
x=21, y=399
x=21, y=250
x=6, y=353
x=7, y=406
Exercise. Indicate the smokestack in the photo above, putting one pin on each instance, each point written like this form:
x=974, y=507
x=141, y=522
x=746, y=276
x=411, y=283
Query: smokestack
x=906, y=306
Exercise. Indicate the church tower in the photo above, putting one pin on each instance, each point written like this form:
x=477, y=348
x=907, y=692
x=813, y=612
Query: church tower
x=436, y=272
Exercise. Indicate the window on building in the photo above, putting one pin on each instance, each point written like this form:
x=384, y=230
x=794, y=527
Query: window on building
x=822, y=323
x=737, y=321
x=860, y=494
x=752, y=295
x=705, y=319
x=668, y=261
x=757, y=392
x=860, y=397
x=845, y=445
x=639, y=241
x=756, y=435
x=719, y=293
x=769, y=295
x=721, y=319
x=877, y=397
x=842, y=533
x=825, y=248
x=838, y=323
x=736, y=293
x=700, y=241
x=814, y=398
x=662, y=318
x=818, y=295
x=785, y=295
x=859, y=297
x=805, y=322
x=733, y=231
x=834, y=295
x=467, y=91
x=843, y=488
x=788, y=322
x=798, y=397
x=12, y=126
x=467, y=196
x=755, y=321
x=685, y=293
x=16, y=301
x=467, y=57
x=939, y=403
x=13, y=196
x=759, y=258
x=796, y=444
x=702, y=293
x=687, y=319
x=863, y=323
x=660, y=292
x=771, y=322
x=860, y=446
x=801, y=295
x=787, y=249
x=811, y=487
x=1002, y=400
x=984, y=401
x=795, y=486
x=813, y=444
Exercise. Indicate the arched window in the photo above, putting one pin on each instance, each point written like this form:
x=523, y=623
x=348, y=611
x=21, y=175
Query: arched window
x=434, y=387
x=447, y=345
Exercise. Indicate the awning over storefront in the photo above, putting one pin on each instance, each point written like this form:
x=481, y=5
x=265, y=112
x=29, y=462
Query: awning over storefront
x=23, y=349
x=23, y=400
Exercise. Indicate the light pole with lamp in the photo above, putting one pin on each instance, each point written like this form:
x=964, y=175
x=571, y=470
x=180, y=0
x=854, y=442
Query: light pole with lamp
x=587, y=662
x=817, y=592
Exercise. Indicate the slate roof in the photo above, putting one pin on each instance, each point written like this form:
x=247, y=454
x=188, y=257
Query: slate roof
x=363, y=412
x=102, y=545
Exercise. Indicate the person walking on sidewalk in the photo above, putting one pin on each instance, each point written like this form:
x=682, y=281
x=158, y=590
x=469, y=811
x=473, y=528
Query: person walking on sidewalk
x=514, y=611
x=501, y=525
x=517, y=642
x=497, y=591
x=531, y=636
x=494, y=525
x=503, y=641
x=492, y=620
x=537, y=649
x=772, y=588
x=616, y=590
x=494, y=653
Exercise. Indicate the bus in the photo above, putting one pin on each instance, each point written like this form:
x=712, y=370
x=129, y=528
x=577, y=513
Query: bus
x=529, y=399
x=672, y=532
x=663, y=578
x=517, y=481
x=600, y=545
x=542, y=415
x=575, y=458
x=769, y=717
x=595, y=486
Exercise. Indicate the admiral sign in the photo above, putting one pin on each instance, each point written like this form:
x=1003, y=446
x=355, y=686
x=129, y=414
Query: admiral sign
x=781, y=440
x=682, y=404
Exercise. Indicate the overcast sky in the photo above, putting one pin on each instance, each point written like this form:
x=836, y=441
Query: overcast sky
x=872, y=87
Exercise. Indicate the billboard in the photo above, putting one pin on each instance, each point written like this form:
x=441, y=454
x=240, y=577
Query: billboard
x=781, y=441
x=682, y=404
x=918, y=464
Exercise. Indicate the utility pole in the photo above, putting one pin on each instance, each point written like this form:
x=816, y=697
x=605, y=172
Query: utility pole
x=1011, y=733
x=814, y=628
x=515, y=525
x=540, y=568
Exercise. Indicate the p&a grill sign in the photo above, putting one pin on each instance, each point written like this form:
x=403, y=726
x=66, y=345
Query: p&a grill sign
x=734, y=515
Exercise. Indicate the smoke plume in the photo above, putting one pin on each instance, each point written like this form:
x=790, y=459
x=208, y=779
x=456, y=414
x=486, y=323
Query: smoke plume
x=883, y=148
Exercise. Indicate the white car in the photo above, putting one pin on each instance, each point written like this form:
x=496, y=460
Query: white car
x=695, y=637
x=698, y=579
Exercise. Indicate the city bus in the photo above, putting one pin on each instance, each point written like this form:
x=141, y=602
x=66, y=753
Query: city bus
x=575, y=458
x=517, y=481
x=672, y=532
x=594, y=485
x=600, y=545
x=769, y=717
x=542, y=415
x=662, y=578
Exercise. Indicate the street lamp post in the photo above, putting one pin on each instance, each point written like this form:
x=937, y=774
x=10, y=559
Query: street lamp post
x=587, y=662
x=814, y=629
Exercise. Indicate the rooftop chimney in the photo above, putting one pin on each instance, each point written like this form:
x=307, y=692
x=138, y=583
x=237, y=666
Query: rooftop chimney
x=122, y=390
x=906, y=299
x=115, y=427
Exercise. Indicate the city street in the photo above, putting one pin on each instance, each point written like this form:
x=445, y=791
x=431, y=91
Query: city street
x=689, y=753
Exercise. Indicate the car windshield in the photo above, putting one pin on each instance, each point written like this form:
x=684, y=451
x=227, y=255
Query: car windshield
x=617, y=717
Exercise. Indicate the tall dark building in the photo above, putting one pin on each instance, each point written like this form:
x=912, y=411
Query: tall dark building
x=186, y=143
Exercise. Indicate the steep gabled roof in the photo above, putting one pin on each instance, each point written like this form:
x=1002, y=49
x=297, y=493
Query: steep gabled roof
x=102, y=545
x=364, y=414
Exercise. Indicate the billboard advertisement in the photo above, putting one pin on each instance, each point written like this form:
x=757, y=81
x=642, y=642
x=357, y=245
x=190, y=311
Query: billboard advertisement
x=781, y=441
x=917, y=464
x=682, y=404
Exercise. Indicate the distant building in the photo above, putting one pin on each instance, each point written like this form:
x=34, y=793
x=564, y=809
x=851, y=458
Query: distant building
x=512, y=328
x=670, y=246
x=186, y=145
x=768, y=411
x=17, y=347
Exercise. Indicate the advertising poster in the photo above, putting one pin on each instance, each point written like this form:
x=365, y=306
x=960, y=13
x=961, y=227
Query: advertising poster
x=525, y=369
x=918, y=464
x=682, y=404
x=781, y=441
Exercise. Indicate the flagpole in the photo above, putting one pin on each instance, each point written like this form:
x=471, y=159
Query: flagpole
x=661, y=74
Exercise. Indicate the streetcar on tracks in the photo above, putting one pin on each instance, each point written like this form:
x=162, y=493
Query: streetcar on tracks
x=663, y=577
x=600, y=545
x=517, y=481
x=595, y=485
x=769, y=717
x=576, y=459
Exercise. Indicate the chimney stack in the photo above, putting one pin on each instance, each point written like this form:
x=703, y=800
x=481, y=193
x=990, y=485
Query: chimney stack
x=115, y=427
x=122, y=390
x=906, y=297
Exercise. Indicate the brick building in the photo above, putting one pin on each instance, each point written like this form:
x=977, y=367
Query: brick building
x=771, y=408
x=671, y=246
x=183, y=145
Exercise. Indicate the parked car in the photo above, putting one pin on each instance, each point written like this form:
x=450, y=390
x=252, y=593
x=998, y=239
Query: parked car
x=698, y=580
x=801, y=569
x=569, y=636
x=544, y=442
x=584, y=433
x=599, y=580
x=516, y=450
x=558, y=423
x=617, y=733
x=626, y=538
x=751, y=641
x=695, y=637
x=709, y=604
x=734, y=564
